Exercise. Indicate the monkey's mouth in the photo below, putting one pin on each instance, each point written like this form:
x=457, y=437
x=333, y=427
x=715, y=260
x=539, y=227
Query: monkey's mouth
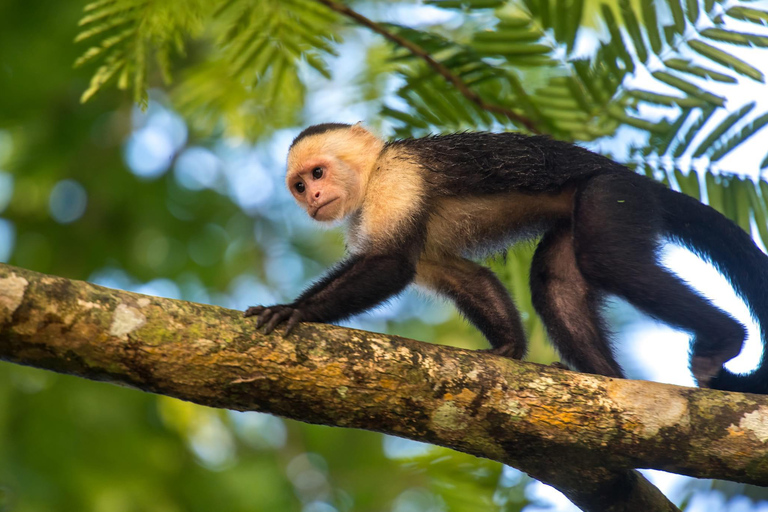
x=314, y=215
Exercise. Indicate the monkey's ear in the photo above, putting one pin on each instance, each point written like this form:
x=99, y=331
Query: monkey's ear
x=359, y=128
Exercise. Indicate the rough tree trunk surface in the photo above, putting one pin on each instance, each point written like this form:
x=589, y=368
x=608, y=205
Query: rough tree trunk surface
x=581, y=433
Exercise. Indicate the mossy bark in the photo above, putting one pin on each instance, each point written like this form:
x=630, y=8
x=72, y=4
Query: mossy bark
x=580, y=433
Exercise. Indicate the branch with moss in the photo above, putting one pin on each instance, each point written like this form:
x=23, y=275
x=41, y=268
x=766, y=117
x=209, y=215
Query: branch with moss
x=441, y=69
x=581, y=433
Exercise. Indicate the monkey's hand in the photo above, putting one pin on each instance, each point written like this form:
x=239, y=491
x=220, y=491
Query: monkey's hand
x=272, y=316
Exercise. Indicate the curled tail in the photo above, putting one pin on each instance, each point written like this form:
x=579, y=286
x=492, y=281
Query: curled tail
x=709, y=234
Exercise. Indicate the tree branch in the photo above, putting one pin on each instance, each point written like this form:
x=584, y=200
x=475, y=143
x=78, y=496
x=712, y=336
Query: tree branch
x=581, y=433
x=420, y=53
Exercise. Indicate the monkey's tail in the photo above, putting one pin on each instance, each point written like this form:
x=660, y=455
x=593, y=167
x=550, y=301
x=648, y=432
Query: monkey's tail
x=709, y=234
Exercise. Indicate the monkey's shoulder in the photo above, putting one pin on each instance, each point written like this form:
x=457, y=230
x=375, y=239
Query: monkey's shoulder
x=393, y=206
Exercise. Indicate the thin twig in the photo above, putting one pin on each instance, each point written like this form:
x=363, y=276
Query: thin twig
x=441, y=69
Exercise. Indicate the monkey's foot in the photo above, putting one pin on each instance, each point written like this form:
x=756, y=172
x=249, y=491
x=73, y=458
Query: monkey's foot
x=509, y=351
x=272, y=316
x=704, y=369
x=559, y=365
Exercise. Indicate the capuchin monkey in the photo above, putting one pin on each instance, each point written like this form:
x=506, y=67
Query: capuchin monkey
x=420, y=209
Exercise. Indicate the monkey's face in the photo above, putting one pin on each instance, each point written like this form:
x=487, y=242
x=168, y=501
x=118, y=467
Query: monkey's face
x=325, y=187
x=328, y=172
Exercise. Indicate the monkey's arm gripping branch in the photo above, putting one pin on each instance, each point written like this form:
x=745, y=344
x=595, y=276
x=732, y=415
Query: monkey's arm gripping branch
x=355, y=285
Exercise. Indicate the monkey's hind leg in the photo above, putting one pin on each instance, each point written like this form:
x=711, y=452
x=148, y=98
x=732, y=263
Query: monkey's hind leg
x=569, y=306
x=617, y=227
x=480, y=297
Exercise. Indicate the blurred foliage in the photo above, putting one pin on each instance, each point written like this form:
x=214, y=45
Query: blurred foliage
x=665, y=86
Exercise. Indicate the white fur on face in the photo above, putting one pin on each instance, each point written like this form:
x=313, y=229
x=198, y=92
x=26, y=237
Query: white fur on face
x=346, y=157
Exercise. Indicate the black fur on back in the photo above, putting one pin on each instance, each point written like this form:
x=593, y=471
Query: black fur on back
x=487, y=163
x=317, y=129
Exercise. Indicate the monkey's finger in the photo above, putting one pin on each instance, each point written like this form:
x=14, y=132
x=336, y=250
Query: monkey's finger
x=263, y=317
x=277, y=318
x=253, y=311
x=293, y=321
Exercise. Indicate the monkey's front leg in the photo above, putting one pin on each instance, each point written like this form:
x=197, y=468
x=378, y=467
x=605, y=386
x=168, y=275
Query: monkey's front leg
x=357, y=284
x=480, y=297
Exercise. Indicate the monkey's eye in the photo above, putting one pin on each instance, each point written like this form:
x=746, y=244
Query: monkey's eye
x=299, y=187
x=317, y=173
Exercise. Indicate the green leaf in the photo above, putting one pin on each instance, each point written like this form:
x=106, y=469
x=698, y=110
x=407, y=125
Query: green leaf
x=105, y=13
x=557, y=103
x=686, y=67
x=748, y=14
x=511, y=50
x=280, y=69
x=764, y=163
x=647, y=170
x=738, y=38
x=561, y=18
x=688, y=87
x=689, y=184
x=513, y=22
x=739, y=195
x=726, y=60
x=617, y=42
x=554, y=88
x=106, y=45
x=669, y=34
x=112, y=65
x=247, y=58
x=758, y=210
x=715, y=192
x=693, y=130
x=466, y=4
x=677, y=14
x=575, y=14
x=665, y=99
x=732, y=142
x=723, y=127
x=726, y=189
x=407, y=119
x=241, y=28
x=95, y=5
x=587, y=79
x=692, y=7
x=577, y=92
x=523, y=99
x=113, y=22
x=311, y=12
x=222, y=7
x=617, y=112
x=651, y=24
x=666, y=141
x=633, y=27
x=544, y=13
x=763, y=190
x=506, y=36
x=318, y=64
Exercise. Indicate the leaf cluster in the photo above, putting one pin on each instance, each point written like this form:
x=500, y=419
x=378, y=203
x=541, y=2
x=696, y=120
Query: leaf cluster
x=256, y=58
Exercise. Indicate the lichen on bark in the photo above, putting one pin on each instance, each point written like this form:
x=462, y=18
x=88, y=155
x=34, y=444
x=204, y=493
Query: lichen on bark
x=581, y=433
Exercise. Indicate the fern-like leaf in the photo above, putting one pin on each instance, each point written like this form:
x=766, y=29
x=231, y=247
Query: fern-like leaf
x=726, y=60
x=720, y=130
x=129, y=30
